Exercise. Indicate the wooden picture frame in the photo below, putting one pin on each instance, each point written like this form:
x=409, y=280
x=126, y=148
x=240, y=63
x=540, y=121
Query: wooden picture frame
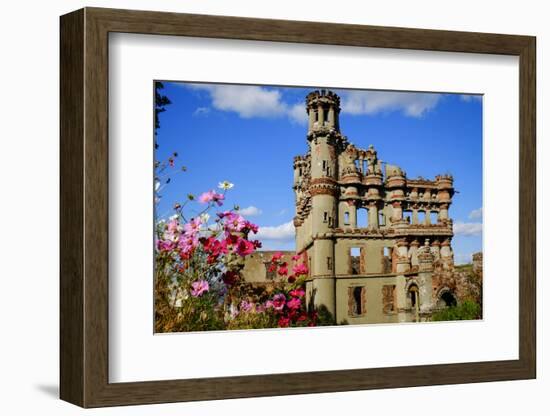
x=84, y=207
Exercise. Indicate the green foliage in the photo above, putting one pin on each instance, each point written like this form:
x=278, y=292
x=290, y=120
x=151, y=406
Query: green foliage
x=324, y=317
x=468, y=310
x=161, y=101
x=252, y=320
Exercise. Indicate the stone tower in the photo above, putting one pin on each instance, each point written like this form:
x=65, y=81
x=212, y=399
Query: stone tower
x=324, y=141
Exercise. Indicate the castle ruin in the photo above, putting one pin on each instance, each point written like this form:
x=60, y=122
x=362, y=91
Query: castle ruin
x=380, y=268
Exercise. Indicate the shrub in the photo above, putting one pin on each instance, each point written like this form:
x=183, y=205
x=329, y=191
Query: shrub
x=467, y=310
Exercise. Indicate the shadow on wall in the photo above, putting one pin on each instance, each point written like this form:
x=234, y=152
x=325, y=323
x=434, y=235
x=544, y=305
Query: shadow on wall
x=51, y=390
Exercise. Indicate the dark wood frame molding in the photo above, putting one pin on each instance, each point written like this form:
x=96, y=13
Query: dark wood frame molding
x=84, y=208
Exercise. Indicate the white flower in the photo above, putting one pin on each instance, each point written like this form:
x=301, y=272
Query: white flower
x=225, y=185
x=204, y=218
x=174, y=217
x=157, y=186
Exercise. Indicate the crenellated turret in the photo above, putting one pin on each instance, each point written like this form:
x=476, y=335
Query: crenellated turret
x=323, y=108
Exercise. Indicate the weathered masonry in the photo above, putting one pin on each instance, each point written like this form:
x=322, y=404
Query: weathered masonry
x=372, y=235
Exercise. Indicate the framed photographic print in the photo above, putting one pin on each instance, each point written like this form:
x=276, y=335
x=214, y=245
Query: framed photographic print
x=256, y=207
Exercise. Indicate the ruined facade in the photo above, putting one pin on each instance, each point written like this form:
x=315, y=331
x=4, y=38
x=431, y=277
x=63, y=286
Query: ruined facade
x=377, y=243
x=379, y=270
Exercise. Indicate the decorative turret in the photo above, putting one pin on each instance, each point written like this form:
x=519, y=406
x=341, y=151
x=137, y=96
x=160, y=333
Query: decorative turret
x=323, y=108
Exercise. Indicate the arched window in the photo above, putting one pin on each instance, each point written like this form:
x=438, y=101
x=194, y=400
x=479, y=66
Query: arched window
x=413, y=298
x=362, y=217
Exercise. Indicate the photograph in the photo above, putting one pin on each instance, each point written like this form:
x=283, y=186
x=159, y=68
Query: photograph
x=281, y=207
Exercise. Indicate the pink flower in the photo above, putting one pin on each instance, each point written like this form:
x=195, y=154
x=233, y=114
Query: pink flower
x=193, y=226
x=279, y=301
x=251, y=227
x=294, y=303
x=244, y=247
x=211, y=196
x=188, y=243
x=269, y=304
x=283, y=271
x=296, y=257
x=173, y=226
x=283, y=322
x=300, y=269
x=165, y=245
x=277, y=256
x=234, y=222
x=246, y=306
x=297, y=293
x=199, y=287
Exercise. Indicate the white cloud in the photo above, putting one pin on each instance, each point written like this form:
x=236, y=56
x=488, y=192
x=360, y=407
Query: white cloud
x=250, y=101
x=201, y=111
x=467, y=228
x=279, y=232
x=476, y=213
x=372, y=102
x=297, y=113
x=250, y=211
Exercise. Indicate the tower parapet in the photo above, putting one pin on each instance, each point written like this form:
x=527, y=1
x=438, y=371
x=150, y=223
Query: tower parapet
x=323, y=108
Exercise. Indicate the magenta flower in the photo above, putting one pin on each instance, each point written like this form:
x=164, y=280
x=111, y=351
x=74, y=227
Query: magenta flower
x=294, y=303
x=277, y=256
x=244, y=247
x=299, y=293
x=300, y=269
x=246, y=306
x=165, y=245
x=234, y=222
x=211, y=196
x=283, y=271
x=296, y=257
x=199, y=287
x=279, y=301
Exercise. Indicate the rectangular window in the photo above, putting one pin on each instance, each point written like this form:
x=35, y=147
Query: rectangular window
x=329, y=263
x=355, y=260
x=388, y=299
x=356, y=301
x=346, y=218
x=387, y=260
x=324, y=164
x=325, y=216
x=381, y=219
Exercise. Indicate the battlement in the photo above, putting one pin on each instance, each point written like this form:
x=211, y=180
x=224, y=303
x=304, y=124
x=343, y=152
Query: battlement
x=323, y=98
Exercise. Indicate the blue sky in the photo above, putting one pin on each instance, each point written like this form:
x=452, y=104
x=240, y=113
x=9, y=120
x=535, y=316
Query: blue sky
x=248, y=135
